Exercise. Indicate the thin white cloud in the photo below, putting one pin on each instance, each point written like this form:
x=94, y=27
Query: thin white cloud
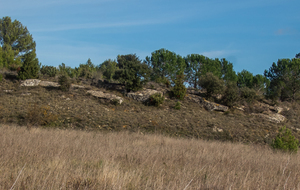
x=103, y=25
x=218, y=53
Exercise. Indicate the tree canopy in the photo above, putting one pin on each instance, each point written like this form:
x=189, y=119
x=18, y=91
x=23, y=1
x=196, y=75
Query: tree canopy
x=284, y=79
x=108, y=68
x=15, y=40
x=132, y=72
x=165, y=64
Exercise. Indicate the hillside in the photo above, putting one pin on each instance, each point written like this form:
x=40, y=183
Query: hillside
x=47, y=106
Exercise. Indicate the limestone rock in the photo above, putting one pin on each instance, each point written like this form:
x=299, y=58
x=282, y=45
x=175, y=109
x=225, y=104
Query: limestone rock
x=210, y=106
x=30, y=82
x=110, y=97
x=216, y=129
x=49, y=84
x=77, y=86
x=273, y=117
x=7, y=91
x=143, y=95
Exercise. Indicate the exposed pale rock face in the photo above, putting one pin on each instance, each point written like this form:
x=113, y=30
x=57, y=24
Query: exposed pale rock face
x=110, y=97
x=210, y=106
x=30, y=82
x=36, y=82
x=49, y=84
x=143, y=95
x=273, y=117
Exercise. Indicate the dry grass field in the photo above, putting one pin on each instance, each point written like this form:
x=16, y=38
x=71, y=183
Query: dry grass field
x=37, y=158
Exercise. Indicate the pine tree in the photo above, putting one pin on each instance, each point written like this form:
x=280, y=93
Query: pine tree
x=16, y=42
x=30, y=67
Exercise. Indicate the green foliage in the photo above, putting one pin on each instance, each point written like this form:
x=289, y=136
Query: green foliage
x=132, y=72
x=115, y=102
x=245, y=79
x=228, y=74
x=177, y=106
x=49, y=70
x=65, y=70
x=284, y=79
x=8, y=57
x=1, y=77
x=248, y=94
x=179, y=90
x=165, y=64
x=163, y=81
x=64, y=82
x=108, y=68
x=16, y=42
x=198, y=65
x=212, y=84
x=86, y=70
x=231, y=95
x=194, y=65
x=297, y=56
x=257, y=82
x=30, y=68
x=285, y=141
x=156, y=99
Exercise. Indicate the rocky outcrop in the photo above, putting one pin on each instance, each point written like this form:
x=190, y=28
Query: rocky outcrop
x=107, y=96
x=210, y=106
x=273, y=117
x=275, y=109
x=36, y=82
x=143, y=95
x=49, y=84
x=30, y=82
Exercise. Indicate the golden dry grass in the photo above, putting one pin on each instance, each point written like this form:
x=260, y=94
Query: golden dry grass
x=70, y=159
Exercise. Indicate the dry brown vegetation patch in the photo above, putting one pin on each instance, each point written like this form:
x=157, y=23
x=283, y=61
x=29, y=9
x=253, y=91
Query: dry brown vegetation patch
x=72, y=159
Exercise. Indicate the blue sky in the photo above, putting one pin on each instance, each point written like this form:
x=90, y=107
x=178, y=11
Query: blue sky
x=250, y=34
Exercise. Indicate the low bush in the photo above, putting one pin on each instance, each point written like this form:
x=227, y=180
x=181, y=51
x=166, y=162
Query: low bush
x=213, y=84
x=1, y=77
x=231, y=95
x=285, y=141
x=248, y=94
x=156, y=99
x=64, y=82
x=179, y=90
x=40, y=115
x=49, y=70
x=163, y=80
x=177, y=106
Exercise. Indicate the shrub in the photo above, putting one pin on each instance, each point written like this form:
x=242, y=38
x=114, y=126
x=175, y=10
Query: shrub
x=212, y=84
x=179, y=90
x=231, y=94
x=30, y=67
x=177, y=105
x=157, y=99
x=64, y=82
x=115, y=102
x=285, y=141
x=163, y=80
x=132, y=72
x=248, y=94
x=1, y=77
x=49, y=70
x=108, y=68
x=40, y=115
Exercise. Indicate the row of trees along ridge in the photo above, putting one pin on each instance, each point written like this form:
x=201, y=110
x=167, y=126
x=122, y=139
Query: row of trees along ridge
x=282, y=80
